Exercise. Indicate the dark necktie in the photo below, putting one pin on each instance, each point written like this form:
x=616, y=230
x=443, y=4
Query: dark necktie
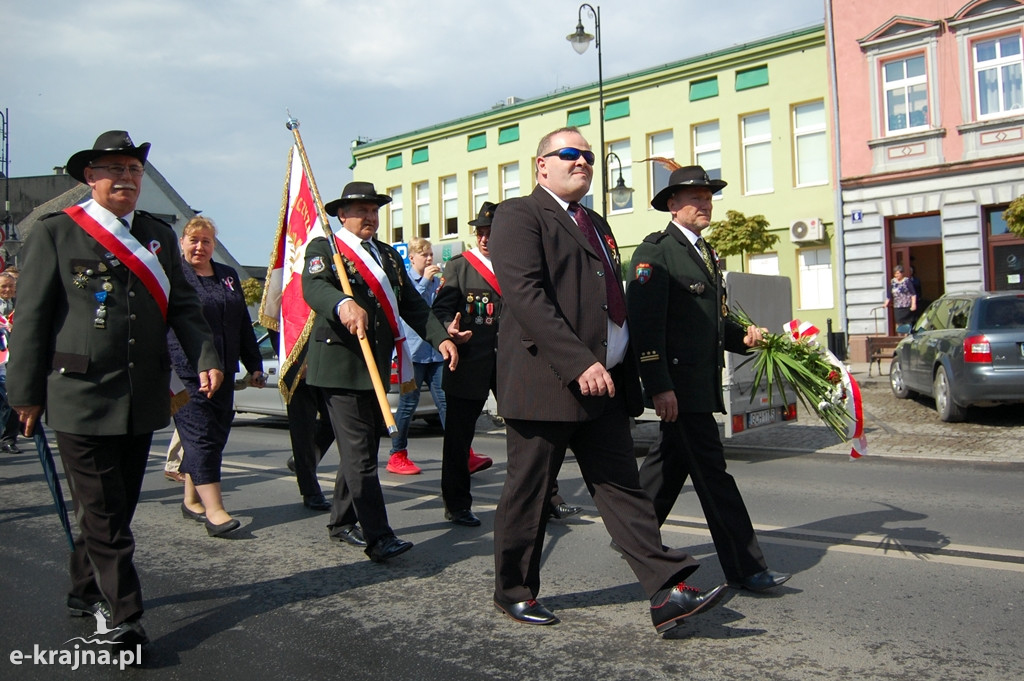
x=705, y=253
x=616, y=301
x=372, y=251
x=124, y=222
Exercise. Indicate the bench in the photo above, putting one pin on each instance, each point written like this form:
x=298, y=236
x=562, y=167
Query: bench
x=879, y=348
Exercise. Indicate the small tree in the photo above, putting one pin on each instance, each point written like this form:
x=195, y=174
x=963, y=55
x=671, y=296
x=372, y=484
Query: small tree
x=1014, y=216
x=253, y=290
x=737, y=234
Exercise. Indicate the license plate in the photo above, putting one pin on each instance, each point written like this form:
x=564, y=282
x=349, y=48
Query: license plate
x=762, y=417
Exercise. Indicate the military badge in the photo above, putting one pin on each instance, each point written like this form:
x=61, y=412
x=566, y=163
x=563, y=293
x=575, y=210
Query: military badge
x=316, y=265
x=697, y=288
x=155, y=247
x=642, y=272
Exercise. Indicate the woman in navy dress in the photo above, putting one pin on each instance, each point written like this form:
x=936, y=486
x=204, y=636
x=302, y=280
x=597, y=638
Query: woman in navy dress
x=203, y=424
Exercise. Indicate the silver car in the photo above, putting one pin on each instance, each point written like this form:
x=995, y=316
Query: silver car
x=268, y=401
x=966, y=350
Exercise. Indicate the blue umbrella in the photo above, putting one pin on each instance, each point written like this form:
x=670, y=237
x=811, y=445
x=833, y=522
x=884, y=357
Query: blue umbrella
x=50, y=470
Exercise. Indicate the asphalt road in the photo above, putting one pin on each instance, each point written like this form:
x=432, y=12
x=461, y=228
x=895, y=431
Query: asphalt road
x=903, y=569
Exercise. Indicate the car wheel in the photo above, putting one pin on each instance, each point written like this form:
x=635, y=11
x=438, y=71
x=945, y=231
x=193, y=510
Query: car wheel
x=944, y=404
x=896, y=382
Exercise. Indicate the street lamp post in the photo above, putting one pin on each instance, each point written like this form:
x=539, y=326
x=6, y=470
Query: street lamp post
x=8, y=225
x=580, y=41
x=621, y=193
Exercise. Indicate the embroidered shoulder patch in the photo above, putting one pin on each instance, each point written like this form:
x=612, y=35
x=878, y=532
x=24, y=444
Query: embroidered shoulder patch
x=642, y=272
x=316, y=265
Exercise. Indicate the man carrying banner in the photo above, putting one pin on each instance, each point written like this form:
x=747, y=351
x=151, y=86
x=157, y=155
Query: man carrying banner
x=102, y=285
x=381, y=294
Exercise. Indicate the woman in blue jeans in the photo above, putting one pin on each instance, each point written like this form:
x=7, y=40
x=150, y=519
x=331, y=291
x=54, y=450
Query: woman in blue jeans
x=426, y=361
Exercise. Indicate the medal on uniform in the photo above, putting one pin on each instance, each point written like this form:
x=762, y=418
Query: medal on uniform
x=107, y=286
x=100, y=322
x=80, y=280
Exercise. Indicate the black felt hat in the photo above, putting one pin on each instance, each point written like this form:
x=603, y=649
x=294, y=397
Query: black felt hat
x=681, y=178
x=110, y=142
x=356, y=191
x=483, y=218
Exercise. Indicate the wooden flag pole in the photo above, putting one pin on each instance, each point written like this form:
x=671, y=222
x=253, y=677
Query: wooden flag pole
x=339, y=270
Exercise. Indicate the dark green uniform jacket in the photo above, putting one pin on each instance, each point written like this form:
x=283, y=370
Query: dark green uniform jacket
x=335, y=358
x=676, y=321
x=100, y=381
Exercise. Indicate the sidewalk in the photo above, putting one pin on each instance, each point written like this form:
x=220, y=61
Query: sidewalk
x=895, y=428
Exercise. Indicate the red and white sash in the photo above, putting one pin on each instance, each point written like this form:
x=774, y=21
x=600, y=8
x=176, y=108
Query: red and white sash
x=350, y=247
x=482, y=265
x=111, y=233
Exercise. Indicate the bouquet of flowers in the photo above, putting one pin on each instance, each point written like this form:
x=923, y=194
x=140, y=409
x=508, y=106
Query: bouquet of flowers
x=821, y=382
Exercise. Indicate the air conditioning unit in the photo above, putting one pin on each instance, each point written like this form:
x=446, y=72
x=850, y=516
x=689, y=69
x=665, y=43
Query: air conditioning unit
x=806, y=229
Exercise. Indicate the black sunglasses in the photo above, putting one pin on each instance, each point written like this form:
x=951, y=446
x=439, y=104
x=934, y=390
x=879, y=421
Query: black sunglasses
x=572, y=153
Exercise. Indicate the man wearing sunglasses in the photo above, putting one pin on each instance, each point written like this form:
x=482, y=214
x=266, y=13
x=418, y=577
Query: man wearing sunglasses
x=566, y=379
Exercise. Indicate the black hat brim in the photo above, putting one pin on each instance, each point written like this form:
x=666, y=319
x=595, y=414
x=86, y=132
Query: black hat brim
x=331, y=207
x=660, y=201
x=80, y=160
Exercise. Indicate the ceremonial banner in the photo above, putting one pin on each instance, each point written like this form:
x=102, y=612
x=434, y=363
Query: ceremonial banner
x=283, y=308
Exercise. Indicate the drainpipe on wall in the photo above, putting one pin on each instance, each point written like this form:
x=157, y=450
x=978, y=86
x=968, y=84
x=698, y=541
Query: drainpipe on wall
x=840, y=219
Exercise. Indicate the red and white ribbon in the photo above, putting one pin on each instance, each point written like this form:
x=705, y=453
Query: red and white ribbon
x=853, y=402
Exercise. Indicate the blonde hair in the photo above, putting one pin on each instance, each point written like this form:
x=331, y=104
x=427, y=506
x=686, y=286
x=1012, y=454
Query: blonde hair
x=419, y=245
x=198, y=224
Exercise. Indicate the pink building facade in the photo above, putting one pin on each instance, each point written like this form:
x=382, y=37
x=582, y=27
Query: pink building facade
x=929, y=105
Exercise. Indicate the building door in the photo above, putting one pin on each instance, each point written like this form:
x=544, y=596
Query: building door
x=1004, y=254
x=916, y=243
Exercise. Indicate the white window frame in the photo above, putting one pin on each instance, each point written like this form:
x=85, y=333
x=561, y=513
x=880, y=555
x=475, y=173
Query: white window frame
x=756, y=143
x=479, y=188
x=707, y=147
x=815, y=279
x=905, y=85
x=659, y=144
x=396, y=215
x=449, y=206
x=421, y=191
x=811, y=138
x=999, y=64
x=510, y=181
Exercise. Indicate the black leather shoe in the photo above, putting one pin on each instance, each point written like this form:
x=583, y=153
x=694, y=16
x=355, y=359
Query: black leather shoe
x=189, y=514
x=684, y=601
x=464, y=517
x=316, y=502
x=761, y=581
x=79, y=608
x=223, y=528
x=527, y=612
x=563, y=511
x=291, y=463
x=129, y=634
x=350, y=534
x=10, y=448
x=388, y=547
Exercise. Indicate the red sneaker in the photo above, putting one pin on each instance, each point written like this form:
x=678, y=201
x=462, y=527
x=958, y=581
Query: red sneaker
x=400, y=464
x=478, y=463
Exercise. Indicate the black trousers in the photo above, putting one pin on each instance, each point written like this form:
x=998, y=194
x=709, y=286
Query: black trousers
x=358, y=497
x=691, y=447
x=459, y=428
x=104, y=474
x=604, y=452
x=311, y=436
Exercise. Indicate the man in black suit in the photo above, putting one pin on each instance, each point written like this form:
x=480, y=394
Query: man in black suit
x=102, y=285
x=676, y=303
x=566, y=379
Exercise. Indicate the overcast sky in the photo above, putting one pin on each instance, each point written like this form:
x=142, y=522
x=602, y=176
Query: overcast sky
x=207, y=82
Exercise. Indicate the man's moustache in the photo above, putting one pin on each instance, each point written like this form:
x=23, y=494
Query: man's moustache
x=124, y=186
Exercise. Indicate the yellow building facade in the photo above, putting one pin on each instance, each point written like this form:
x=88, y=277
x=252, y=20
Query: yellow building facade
x=756, y=115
